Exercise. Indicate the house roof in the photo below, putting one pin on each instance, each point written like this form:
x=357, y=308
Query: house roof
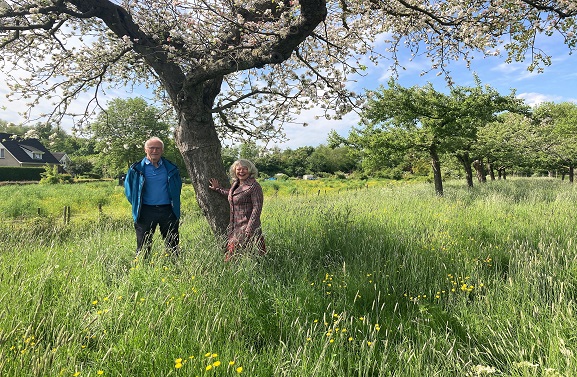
x=16, y=145
x=59, y=155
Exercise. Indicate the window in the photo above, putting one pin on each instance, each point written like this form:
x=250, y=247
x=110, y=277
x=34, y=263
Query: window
x=37, y=156
x=1, y=152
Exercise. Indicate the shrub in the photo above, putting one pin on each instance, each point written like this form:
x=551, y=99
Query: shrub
x=340, y=175
x=52, y=176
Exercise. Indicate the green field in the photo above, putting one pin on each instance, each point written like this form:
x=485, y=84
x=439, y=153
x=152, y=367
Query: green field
x=361, y=279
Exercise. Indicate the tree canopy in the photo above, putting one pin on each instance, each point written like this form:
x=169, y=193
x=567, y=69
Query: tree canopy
x=73, y=46
x=427, y=121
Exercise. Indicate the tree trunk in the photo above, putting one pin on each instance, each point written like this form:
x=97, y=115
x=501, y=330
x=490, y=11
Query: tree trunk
x=491, y=169
x=466, y=162
x=479, y=168
x=200, y=147
x=571, y=173
x=436, y=164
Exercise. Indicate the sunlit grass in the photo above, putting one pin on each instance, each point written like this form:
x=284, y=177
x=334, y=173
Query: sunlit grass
x=388, y=280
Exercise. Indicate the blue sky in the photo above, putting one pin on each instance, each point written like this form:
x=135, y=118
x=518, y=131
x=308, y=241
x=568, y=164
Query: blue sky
x=558, y=83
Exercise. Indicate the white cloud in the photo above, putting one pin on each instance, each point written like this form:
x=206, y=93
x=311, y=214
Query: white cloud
x=317, y=131
x=534, y=99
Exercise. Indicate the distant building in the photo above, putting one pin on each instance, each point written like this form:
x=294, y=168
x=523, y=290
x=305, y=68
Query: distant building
x=64, y=160
x=18, y=151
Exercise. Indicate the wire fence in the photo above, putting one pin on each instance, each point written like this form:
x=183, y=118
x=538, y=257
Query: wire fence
x=65, y=216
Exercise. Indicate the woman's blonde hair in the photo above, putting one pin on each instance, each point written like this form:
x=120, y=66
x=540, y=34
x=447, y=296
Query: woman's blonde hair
x=252, y=170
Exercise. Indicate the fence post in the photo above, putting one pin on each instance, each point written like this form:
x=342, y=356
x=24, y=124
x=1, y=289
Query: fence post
x=66, y=214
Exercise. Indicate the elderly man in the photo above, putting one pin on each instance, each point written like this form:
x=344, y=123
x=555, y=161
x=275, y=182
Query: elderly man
x=153, y=186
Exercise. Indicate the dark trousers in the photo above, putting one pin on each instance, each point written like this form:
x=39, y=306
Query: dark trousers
x=150, y=217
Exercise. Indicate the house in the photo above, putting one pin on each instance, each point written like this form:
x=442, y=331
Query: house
x=64, y=160
x=18, y=151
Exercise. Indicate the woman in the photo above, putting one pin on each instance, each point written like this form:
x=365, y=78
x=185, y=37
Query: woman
x=246, y=199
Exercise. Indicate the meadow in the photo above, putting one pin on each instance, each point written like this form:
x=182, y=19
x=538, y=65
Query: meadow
x=367, y=278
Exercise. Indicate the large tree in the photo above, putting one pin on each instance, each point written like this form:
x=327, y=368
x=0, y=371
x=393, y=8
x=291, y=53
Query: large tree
x=246, y=66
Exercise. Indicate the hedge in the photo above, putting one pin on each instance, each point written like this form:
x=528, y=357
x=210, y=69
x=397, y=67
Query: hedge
x=13, y=173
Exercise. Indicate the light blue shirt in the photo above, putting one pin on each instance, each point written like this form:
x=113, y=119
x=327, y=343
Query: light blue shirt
x=155, y=190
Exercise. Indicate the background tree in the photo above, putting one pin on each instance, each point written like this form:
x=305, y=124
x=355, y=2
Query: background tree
x=121, y=131
x=438, y=123
x=294, y=161
x=330, y=160
x=557, y=123
x=249, y=151
x=507, y=144
x=204, y=57
x=11, y=128
x=50, y=135
x=270, y=163
x=83, y=166
x=384, y=150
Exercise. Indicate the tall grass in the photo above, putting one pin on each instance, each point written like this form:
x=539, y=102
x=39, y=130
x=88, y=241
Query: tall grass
x=389, y=280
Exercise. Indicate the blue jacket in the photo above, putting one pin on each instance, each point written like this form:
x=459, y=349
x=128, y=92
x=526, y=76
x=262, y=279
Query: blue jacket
x=134, y=183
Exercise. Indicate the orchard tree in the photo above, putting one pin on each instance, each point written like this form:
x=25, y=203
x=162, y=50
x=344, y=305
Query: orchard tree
x=190, y=51
x=473, y=108
x=508, y=143
x=438, y=123
x=383, y=148
x=557, y=125
x=245, y=67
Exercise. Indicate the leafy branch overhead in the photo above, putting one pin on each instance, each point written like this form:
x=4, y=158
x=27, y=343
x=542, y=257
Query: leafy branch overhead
x=70, y=47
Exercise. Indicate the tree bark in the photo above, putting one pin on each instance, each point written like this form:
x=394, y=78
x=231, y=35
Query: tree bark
x=436, y=164
x=479, y=168
x=466, y=162
x=200, y=146
x=491, y=169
